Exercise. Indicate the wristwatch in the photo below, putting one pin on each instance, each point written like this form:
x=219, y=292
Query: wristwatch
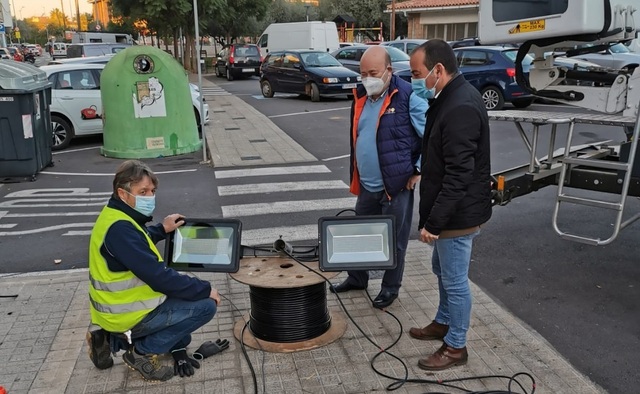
x=416, y=171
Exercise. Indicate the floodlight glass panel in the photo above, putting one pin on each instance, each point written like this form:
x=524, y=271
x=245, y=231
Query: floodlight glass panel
x=205, y=245
x=357, y=243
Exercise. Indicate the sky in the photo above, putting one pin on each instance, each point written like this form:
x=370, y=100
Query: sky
x=27, y=8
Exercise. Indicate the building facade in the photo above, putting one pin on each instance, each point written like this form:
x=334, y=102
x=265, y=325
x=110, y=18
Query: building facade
x=446, y=19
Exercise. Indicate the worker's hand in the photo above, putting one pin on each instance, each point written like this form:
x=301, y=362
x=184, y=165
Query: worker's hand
x=172, y=222
x=427, y=237
x=412, y=182
x=183, y=364
x=215, y=296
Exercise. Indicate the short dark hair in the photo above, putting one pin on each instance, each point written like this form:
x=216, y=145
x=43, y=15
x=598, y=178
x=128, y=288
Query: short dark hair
x=131, y=172
x=438, y=51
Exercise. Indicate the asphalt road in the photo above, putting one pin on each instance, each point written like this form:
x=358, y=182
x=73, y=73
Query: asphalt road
x=582, y=299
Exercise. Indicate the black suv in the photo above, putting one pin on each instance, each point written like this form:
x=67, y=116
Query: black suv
x=238, y=60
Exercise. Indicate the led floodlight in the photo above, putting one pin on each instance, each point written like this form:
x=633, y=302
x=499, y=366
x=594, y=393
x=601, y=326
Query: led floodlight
x=210, y=245
x=357, y=243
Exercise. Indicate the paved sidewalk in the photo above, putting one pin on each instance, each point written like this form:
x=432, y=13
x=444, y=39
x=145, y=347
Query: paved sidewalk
x=42, y=328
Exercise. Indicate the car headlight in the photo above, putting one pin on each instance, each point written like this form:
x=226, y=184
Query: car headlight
x=359, y=79
x=330, y=80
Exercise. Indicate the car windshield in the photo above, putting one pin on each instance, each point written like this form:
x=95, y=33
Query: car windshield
x=319, y=59
x=511, y=55
x=619, y=48
x=396, y=54
x=246, y=50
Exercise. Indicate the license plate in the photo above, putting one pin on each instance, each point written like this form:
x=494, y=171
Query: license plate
x=248, y=70
x=349, y=86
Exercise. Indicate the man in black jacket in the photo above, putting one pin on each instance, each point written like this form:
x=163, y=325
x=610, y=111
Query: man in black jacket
x=455, y=192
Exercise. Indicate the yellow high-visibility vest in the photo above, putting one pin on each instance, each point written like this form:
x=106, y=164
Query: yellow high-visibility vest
x=117, y=300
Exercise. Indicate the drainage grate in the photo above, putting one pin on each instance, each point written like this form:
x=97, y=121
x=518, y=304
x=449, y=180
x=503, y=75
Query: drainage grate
x=258, y=140
x=250, y=158
x=232, y=128
x=238, y=117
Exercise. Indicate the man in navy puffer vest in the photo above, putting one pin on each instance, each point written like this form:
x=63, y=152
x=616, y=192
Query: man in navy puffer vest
x=387, y=123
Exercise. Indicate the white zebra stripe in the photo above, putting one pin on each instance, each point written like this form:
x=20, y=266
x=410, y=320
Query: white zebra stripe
x=234, y=211
x=316, y=169
x=259, y=188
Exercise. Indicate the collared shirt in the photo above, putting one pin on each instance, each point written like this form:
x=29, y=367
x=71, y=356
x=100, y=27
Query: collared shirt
x=366, y=146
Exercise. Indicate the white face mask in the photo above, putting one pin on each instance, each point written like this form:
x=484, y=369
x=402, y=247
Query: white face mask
x=374, y=86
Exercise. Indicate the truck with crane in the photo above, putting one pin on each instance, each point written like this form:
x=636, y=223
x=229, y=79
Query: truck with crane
x=608, y=172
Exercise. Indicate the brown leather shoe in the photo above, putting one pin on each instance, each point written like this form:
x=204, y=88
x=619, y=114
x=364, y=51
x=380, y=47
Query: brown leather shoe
x=443, y=358
x=432, y=331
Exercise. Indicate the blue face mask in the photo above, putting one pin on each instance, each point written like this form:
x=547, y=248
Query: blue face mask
x=420, y=87
x=144, y=204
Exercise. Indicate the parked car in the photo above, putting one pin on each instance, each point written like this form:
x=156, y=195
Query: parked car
x=617, y=56
x=102, y=59
x=5, y=54
x=94, y=49
x=238, y=60
x=350, y=57
x=76, y=104
x=492, y=71
x=313, y=73
x=58, y=50
x=405, y=45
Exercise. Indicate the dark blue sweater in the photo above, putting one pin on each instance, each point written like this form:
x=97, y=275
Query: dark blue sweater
x=126, y=249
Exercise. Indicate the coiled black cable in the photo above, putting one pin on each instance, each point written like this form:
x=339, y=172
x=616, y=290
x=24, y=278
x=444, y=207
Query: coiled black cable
x=289, y=315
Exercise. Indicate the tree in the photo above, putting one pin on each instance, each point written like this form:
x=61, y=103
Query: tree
x=170, y=15
x=237, y=18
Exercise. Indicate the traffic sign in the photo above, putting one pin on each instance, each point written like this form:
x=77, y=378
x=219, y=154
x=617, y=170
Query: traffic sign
x=2, y=29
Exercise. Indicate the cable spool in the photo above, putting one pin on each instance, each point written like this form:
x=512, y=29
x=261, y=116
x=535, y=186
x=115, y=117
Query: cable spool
x=298, y=315
x=289, y=310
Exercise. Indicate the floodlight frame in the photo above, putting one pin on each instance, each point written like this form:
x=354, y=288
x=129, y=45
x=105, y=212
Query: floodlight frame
x=236, y=249
x=323, y=224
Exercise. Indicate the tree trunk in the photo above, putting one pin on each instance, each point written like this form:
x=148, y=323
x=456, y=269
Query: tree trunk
x=176, y=33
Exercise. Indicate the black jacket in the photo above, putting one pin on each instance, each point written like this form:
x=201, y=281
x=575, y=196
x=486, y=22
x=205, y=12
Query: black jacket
x=455, y=190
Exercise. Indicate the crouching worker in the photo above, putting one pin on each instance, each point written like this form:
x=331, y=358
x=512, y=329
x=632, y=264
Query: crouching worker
x=133, y=294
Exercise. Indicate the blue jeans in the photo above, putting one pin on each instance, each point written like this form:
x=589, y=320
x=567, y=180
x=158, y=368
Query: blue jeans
x=450, y=262
x=400, y=206
x=169, y=326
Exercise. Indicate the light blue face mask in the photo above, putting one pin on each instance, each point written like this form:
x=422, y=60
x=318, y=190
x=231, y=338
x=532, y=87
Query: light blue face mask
x=144, y=204
x=419, y=87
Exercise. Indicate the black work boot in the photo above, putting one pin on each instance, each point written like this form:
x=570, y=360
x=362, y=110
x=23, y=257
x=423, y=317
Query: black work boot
x=99, y=351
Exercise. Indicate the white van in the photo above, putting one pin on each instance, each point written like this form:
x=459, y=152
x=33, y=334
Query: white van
x=322, y=36
x=59, y=50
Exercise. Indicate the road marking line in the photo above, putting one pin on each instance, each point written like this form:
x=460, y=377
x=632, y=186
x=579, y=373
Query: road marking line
x=30, y=203
x=110, y=174
x=259, y=188
x=266, y=236
x=11, y=225
x=336, y=158
x=45, y=229
x=80, y=192
x=272, y=171
x=54, y=214
x=75, y=150
x=230, y=211
x=309, y=112
x=79, y=232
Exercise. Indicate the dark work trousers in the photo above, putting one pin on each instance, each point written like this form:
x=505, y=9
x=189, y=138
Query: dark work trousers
x=400, y=206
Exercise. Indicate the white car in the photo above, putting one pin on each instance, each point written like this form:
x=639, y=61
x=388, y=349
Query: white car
x=76, y=104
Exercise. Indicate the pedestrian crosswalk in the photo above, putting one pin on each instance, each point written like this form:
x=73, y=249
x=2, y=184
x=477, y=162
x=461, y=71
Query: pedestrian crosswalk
x=214, y=91
x=281, y=201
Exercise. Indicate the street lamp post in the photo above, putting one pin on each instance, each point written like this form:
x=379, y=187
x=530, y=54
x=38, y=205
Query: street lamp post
x=306, y=10
x=202, y=115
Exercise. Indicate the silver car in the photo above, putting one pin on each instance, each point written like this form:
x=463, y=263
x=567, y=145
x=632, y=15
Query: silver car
x=617, y=56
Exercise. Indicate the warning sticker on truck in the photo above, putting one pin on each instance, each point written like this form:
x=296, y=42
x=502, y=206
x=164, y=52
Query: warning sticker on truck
x=528, y=27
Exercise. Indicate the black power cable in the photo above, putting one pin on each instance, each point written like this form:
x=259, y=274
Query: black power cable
x=289, y=314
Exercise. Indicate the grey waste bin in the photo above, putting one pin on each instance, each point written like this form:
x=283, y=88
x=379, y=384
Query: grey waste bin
x=25, y=121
